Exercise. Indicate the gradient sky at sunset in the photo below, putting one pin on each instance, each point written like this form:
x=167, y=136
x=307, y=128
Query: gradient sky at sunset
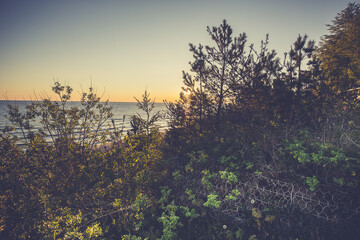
x=123, y=47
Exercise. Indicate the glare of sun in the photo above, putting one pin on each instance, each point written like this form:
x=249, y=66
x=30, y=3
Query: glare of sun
x=187, y=92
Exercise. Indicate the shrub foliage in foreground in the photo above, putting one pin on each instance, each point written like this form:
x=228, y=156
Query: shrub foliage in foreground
x=61, y=183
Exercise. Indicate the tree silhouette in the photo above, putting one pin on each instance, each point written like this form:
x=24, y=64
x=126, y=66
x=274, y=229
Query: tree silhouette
x=222, y=59
x=301, y=50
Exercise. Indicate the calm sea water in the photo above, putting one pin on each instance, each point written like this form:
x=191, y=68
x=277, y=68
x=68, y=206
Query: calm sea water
x=119, y=109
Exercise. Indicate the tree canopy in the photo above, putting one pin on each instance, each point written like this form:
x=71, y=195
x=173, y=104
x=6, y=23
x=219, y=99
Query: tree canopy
x=339, y=51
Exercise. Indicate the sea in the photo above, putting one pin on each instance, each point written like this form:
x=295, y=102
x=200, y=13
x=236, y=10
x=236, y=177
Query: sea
x=122, y=112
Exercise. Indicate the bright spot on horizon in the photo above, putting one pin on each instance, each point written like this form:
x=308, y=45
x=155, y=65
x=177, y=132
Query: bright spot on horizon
x=187, y=92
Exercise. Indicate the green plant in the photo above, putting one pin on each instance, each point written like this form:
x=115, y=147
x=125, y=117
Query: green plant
x=212, y=201
x=230, y=177
x=312, y=182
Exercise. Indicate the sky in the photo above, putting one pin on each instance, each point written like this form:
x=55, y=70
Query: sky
x=123, y=47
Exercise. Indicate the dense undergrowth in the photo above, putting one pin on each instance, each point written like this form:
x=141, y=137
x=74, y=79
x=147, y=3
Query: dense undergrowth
x=256, y=149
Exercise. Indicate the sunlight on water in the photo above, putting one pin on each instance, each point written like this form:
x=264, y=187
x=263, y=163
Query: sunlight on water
x=119, y=109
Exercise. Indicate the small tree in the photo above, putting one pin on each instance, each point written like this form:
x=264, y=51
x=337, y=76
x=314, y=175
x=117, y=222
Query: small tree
x=221, y=59
x=145, y=125
x=194, y=85
x=301, y=50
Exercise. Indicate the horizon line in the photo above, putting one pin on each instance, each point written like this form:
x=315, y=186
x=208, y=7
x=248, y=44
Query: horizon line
x=30, y=100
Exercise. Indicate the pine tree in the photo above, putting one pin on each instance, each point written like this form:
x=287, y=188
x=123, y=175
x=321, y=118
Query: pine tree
x=339, y=51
